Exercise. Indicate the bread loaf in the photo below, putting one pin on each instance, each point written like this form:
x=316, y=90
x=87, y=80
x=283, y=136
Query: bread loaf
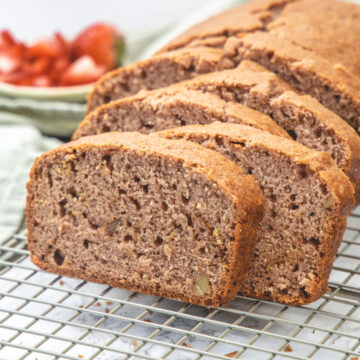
x=162, y=217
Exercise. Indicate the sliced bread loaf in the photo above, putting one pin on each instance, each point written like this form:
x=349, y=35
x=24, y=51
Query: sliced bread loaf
x=310, y=44
x=156, y=72
x=170, y=107
x=147, y=214
x=307, y=201
x=303, y=117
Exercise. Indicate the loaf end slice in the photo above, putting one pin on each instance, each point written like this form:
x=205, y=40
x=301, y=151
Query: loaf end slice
x=154, y=73
x=146, y=214
x=307, y=201
x=169, y=107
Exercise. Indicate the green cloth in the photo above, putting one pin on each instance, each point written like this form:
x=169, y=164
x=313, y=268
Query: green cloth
x=19, y=145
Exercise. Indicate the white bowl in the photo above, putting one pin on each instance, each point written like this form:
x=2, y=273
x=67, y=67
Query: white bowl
x=64, y=93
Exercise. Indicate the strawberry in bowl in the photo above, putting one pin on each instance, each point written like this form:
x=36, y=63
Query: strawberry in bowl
x=57, y=62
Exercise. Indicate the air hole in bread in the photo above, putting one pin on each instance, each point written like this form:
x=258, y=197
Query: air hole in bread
x=86, y=244
x=219, y=141
x=105, y=128
x=318, y=133
x=184, y=199
x=146, y=188
x=72, y=192
x=136, y=203
x=128, y=238
x=296, y=268
x=189, y=220
x=315, y=242
x=306, y=294
x=292, y=134
x=164, y=206
x=59, y=258
x=36, y=223
x=158, y=241
x=182, y=122
x=202, y=250
x=293, y=206
x=302, y=172
x=149, y=126
x=121, y=191
x=240, y=143
x=62, y=208
x=93, y=225
x=49, y=179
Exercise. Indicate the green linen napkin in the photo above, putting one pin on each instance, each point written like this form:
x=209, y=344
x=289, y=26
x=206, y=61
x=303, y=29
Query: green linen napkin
x=19, y=145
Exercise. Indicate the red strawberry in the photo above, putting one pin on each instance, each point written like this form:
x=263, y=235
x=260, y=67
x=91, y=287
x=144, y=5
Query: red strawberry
x=8, y=63
x=82, y=71
x=46, y=47
x=102, y=42
x=6, y=39
x=41, y=80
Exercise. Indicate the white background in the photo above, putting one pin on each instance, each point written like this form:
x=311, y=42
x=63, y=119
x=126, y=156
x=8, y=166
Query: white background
x=31, y=19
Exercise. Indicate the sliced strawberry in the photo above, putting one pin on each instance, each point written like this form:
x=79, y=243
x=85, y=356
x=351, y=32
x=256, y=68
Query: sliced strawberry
x=6, y=39
x=57, y=68
x=40, y=66
x=45, y=47
x=8, y=63
x=82, y=71
x=63, y=44
x=42, y=80
x=102, y=42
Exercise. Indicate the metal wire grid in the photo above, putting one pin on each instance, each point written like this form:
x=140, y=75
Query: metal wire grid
x=46, y=316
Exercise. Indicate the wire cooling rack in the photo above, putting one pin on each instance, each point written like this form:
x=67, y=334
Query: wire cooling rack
x=46, y=316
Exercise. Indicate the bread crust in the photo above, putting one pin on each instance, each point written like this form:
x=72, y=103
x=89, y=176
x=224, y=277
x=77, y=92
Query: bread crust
x=243, y=191
x=323, y=167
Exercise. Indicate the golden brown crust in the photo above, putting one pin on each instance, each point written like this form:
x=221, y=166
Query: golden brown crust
x=324, y=169
x=175, y=95
x=242, y=19
x=226, y=174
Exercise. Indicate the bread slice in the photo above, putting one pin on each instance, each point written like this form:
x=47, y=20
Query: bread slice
x=154, y=73
x=170, y=107
x=303, y=117
x=147, y=214
x=310, y=44
x=307, y=201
